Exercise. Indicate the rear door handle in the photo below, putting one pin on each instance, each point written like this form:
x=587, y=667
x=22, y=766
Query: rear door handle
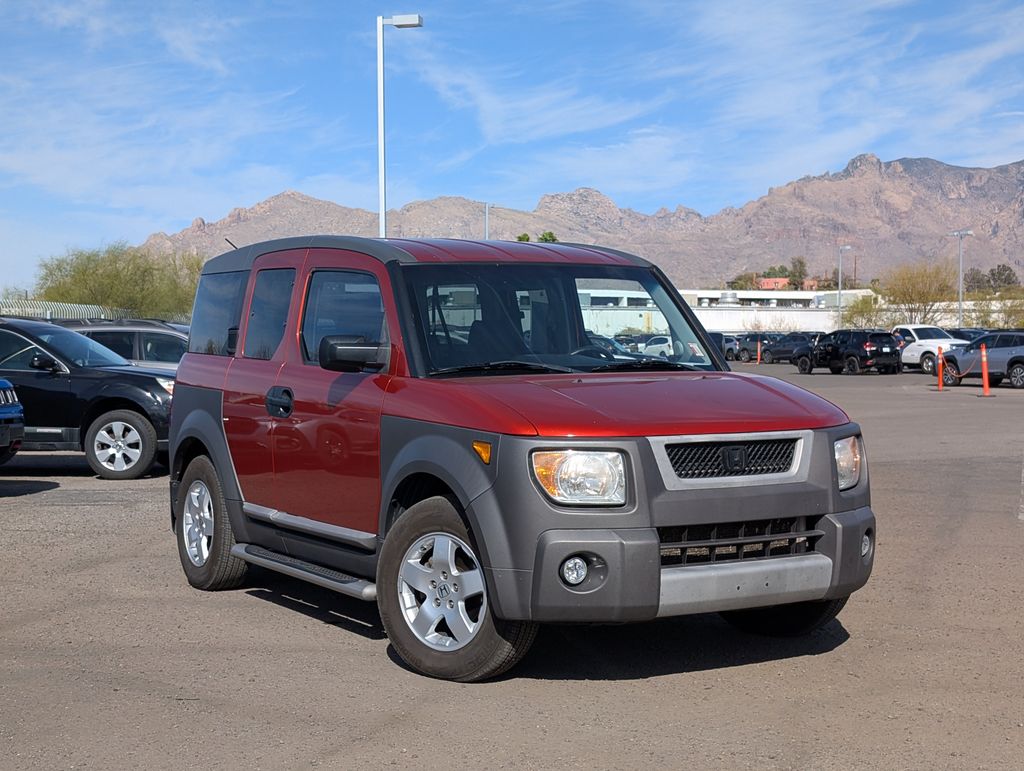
x=279, y=402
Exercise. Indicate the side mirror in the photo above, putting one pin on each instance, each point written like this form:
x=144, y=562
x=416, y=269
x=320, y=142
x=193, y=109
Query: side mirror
x=345, y=353
x=44, y=362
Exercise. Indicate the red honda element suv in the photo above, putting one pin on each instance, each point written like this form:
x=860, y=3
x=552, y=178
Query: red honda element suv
x=426, y=424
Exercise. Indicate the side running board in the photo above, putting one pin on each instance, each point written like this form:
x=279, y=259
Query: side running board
x=306, y=571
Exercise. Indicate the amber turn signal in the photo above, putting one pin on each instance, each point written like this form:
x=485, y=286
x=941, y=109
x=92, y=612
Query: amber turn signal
x=483, y=449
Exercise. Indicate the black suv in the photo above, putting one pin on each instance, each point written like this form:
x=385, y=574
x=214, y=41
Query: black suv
x=782, y=350
x=748, y=344
x=79, y=395
x=851, y=351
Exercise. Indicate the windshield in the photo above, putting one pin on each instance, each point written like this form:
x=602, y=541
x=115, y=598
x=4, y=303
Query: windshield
x=931, y=333
x=547, y=318
x=80, y=350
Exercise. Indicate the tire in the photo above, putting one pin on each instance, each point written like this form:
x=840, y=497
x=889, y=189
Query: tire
x=6, y=455
x=851, y=366
x=1016, y=375
x=835, y=369
x=730, y=354
x=950, y=374
x=744, y=355
x=120, y=444
x=794, y=620
x=411, y=582
x=767, y=357
x=928, y=363
x=804, y=366
x=205, y=556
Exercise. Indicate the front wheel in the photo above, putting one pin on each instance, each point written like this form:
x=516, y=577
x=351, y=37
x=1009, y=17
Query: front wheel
x=804, y=366
x=433, y=599
x=120, y=444
x=928, y=363
x=730, y=354
x=744, y=355
x=794, y=620
x=767, y=357
x=950, y=374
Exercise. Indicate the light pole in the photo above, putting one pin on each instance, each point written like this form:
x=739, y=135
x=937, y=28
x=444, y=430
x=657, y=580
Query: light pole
x=960, y=294
x=401, y=21
x=839, y=294
x=487, y=222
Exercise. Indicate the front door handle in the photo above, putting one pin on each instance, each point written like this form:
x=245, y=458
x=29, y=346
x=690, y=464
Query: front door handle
x=279, y=402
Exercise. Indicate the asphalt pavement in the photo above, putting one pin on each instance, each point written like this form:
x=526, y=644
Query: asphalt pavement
x=108, y=659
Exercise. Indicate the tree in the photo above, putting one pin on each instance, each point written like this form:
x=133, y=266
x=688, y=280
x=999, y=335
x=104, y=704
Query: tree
x=866, y=312
x=523, y=237
x=122, y=276
x=547, y=237
x=797, y=271
x=743, y=281
x=915, y=292
x=1003, y=276
x=976, y=280
x=780, y=271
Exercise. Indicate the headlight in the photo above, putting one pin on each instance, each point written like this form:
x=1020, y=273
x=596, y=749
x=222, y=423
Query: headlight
x=848, y=461
x=167, y=384
x=581, y=476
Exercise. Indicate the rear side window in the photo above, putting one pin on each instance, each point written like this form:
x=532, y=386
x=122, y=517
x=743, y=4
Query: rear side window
x=216, y=313
x=268, y=312
x=164, y=348
x=882, y=338
x=342, y=303
x=120, y=342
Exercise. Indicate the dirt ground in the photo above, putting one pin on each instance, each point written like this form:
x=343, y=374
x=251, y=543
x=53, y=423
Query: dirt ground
x=109, y=660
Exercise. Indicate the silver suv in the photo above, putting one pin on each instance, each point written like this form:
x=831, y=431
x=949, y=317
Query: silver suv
x=1005, y=359
x=155, y=344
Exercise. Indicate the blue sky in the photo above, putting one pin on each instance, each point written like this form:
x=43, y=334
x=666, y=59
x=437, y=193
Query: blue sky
x=119, y=119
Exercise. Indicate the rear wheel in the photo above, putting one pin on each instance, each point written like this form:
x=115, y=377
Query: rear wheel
x=744, y=355
x=928, y=363
x=851, y=366
x=120, y=444
x=730, y=354
x=803, y=365
x=433, y=599
x=1016, y=375
x=798, y=618
x=203, y=530
x=767, y=357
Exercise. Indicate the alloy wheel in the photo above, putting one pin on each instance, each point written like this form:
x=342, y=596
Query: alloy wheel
x=118, y=446
x=197, y=523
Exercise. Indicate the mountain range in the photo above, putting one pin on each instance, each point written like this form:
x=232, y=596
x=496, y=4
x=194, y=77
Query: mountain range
x=890, y=213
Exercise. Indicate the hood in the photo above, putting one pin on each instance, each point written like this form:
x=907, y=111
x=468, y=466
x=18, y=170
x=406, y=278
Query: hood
x=622, y=404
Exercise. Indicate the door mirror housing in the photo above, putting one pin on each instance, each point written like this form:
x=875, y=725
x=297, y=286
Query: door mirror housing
x=44, y=362
x=345, y=353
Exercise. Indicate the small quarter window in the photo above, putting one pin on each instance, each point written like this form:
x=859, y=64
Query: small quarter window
x=216, y=313
x=268, y=312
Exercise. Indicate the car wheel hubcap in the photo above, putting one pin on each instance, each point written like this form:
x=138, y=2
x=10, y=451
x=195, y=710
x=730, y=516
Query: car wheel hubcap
x=118, y=446
x=1017, y=377
x=197, y=523
x=441, y=591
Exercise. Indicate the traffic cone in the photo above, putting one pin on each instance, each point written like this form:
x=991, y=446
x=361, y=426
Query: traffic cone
x=939, y=363
x=984, y=371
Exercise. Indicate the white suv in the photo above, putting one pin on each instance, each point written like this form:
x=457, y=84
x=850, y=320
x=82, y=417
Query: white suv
x=922, y=345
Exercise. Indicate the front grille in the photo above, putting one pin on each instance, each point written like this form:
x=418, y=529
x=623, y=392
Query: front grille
x=7, y=396
x=712, y=460
x=736, y=541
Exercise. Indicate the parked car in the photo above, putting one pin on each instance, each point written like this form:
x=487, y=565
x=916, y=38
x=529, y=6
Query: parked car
x=727, y=343
x=79, y=395
x=607, y=344
x=335, y=432
x=781, y=350
x=1005, y=353
x=12, y=421
x=659, y=345
x=922, y=343
x=155, y=344
x=966, y=333
x=748, y=344
x=851, y=351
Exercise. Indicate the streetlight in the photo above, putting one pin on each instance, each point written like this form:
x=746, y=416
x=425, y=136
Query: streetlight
x=401, y=21
x=839, y=298
x=960, y=296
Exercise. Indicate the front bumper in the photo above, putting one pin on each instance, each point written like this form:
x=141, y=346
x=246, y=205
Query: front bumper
x=627, y=583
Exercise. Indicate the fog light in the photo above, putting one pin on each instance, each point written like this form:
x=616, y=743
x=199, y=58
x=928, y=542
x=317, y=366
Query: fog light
x=574, y=571
x=865, y=544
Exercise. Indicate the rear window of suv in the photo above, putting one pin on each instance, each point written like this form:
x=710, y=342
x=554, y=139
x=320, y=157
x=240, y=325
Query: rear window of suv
x=217, y=311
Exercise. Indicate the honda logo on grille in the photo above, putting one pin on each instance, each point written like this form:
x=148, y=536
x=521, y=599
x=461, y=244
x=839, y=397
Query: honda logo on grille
x=734, y=458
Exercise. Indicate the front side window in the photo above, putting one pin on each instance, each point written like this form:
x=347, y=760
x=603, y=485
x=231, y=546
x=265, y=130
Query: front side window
x=932, y=333
x=79, y=349
x=268, y=312
x=217, y=312
x=345, y=304
x=500, y=318
x=16, y=352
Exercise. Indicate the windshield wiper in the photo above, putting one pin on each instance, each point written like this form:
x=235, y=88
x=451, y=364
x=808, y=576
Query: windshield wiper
x=500, y=366
x=645, y=364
